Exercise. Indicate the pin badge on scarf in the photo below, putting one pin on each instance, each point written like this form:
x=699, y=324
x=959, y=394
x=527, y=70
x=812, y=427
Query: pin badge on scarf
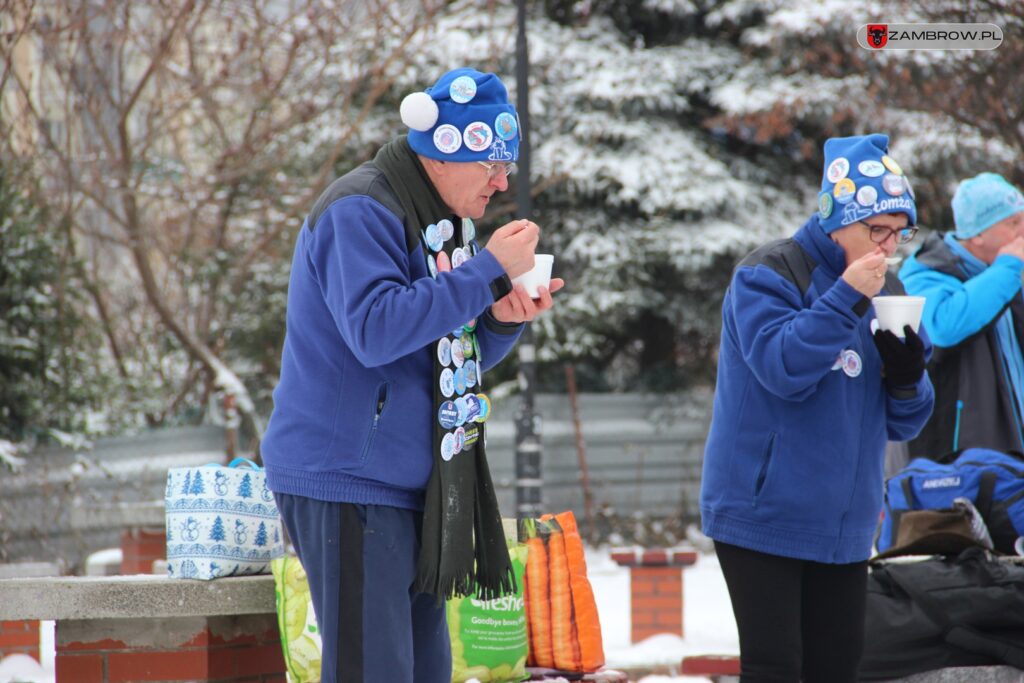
x=458, y=357
x=485, y=408
x=434, y=239
x=447, y=382
x=460, y=381
x=444, y=264
x=432, y=266
x=460, y=439
x=458, y=257
x=471, y=378
x=448, y=446
x=462, y=410
x=467, y=344
x=447, y=415
x=444, y=351
x=473, y=407
x=446, y=229
x=468, y=230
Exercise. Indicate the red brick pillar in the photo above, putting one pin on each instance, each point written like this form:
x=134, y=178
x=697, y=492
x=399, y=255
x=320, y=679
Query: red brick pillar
x=656, y=590
x=226, y=649
x=19, y=637
x=139, y=547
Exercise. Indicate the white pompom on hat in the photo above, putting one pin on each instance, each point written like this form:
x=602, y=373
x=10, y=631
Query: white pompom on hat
x=419, y=111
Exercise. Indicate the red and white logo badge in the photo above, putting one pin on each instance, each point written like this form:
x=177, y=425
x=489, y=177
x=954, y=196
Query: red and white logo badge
x=878, y=35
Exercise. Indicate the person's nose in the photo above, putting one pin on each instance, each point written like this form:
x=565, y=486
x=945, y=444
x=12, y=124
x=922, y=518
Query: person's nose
x=499, y=181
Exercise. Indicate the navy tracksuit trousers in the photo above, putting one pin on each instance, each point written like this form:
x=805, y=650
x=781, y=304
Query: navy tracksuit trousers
x=361, y=565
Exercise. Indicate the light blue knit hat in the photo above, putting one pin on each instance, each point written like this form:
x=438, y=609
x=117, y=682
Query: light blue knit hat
x=982, y=201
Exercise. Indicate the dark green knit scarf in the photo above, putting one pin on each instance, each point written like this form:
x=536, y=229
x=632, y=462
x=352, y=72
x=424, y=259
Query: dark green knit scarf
x=463, y=544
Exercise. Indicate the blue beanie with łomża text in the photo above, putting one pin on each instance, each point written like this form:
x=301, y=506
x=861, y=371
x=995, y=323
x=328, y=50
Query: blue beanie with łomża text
x=861, y=180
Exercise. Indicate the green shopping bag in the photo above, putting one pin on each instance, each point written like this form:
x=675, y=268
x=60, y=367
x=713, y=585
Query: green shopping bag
x=300, y=638
x=489, y=640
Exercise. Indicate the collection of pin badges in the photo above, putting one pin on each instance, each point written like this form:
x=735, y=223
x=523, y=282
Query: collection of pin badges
x=478, y=135
x=463, y=411
x=845, y=191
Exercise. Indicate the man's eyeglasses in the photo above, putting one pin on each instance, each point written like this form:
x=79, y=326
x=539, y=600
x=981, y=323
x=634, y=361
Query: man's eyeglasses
x=880, y=233
x=496, y=168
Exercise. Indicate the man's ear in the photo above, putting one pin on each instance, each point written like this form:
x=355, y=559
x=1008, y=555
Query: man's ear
x=436, y=167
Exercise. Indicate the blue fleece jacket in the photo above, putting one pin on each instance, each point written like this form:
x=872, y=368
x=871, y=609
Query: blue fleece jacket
x=793, y=463
x=354, y=408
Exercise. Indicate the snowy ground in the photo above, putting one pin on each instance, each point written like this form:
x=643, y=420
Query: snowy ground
x=708, y=622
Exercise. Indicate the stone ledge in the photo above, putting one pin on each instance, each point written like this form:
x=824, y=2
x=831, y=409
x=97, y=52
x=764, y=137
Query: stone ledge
x=140, y=595
x=654, y=557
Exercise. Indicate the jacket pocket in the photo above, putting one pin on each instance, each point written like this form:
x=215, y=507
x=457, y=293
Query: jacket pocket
x=381, y=404
x=762, y=473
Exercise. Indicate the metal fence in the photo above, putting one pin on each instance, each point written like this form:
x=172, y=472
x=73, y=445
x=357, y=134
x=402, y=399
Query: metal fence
x=643, y=455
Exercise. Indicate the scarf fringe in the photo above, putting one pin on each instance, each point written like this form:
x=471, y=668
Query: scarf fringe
x=462, y=585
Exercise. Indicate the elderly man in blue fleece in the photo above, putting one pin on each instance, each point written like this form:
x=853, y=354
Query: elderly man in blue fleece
x=807, y=397
x=974, y=313
x=375, y=449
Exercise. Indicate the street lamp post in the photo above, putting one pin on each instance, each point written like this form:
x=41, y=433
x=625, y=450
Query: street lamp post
x=529, y=481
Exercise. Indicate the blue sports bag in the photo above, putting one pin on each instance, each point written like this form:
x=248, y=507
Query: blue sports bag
x=992, y=480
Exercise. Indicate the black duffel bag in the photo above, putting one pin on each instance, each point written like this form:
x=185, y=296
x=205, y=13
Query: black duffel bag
x=966, y=610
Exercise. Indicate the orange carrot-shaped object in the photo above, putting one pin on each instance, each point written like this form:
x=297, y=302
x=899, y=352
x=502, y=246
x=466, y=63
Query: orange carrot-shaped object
x=538, y=609
x=588, y=625
x=564, y=642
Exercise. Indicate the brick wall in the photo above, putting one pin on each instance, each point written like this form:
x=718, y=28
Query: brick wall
x=245, y=648
x=656, y=601
x=656, y=590
x=139, y=547
x=19, y=637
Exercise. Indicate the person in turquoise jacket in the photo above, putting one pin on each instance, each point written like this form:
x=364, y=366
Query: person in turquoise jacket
x=808, y=393
x=971, y=281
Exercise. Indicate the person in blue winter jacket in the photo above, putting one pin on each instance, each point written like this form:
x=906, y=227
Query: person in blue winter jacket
x=808, y=393
x=971, y=280
x=375, y=448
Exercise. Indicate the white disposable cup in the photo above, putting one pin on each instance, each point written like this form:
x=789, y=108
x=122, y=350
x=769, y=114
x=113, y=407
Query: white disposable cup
x=893, y=312
x=538, y=276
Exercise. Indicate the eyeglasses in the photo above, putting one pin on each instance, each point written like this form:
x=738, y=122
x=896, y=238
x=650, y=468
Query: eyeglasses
x=880, y=233
x=494, y=168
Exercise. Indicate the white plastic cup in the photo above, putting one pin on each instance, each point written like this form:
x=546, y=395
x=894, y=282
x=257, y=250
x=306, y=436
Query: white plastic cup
x=893, y=312
x=538, y=276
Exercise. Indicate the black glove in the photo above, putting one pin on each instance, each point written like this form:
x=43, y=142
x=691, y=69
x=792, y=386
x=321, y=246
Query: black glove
x=902, y=362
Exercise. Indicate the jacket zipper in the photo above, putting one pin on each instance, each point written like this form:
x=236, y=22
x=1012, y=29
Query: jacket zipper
x=763, y=473
x=382, y=399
